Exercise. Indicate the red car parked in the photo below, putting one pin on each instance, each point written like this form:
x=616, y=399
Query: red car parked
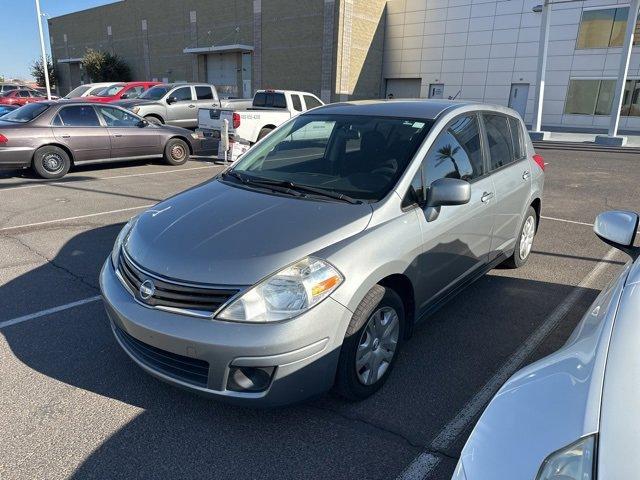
x=121, y=91
x=21, y=97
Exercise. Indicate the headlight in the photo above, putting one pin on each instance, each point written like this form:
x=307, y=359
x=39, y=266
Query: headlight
x=574, y=462
x=288, y=293
x=120, y=239
x=135, y=109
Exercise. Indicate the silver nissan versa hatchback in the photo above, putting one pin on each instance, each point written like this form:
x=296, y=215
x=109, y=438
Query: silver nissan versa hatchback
x=308, y=263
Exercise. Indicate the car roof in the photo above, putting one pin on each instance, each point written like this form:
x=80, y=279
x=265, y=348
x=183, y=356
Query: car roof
x=428, y=109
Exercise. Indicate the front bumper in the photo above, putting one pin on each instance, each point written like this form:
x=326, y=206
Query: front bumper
x=304, y=350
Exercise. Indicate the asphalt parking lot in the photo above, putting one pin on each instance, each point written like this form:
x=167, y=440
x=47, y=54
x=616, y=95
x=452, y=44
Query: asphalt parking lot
x=72, y=404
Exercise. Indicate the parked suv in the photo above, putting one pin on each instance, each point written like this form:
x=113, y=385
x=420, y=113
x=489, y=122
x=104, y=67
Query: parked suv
x=174, y=104
x=308, y=263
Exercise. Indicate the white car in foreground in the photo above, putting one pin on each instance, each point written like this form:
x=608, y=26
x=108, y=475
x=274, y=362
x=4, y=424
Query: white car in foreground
x=573, y=415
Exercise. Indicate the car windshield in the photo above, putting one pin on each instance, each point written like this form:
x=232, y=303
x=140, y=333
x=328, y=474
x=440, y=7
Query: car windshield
x=25, y=114
x=110, y=91
x=155, y=93
x=7, y=93
x=78, y=91
x=361, y=157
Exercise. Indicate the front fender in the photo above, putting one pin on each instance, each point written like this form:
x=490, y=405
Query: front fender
x=390, y=248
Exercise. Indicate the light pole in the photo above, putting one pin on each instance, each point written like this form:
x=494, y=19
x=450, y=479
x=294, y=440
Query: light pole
x=612, y=137
x=545, y=22
x=45, y=65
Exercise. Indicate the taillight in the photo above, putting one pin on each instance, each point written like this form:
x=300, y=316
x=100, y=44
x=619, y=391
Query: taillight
x=539, y=160
x=3, y=139
x=236, y=120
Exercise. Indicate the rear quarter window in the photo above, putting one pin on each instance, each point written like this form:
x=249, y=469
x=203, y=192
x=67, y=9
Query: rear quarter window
x=517, y=138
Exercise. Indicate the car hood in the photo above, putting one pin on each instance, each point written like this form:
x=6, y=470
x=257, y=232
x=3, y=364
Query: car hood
x=226, y=235
x=547, y=405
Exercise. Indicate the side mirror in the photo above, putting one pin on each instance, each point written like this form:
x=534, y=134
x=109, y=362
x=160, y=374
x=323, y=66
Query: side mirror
x=444, y=192
x=142, y=123
x=171, y=100
x=618, y=229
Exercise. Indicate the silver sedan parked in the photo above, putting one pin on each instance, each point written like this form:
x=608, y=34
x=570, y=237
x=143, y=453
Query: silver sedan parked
x=574, y=414
x=309, y=262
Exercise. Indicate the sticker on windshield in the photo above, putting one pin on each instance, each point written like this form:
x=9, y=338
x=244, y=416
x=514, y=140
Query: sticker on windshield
x=418, y=124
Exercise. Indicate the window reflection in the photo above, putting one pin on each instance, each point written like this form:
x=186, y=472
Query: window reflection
x=603, y=28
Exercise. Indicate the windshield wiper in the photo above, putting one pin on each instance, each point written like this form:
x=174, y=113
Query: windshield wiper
x=303, y=188
x=274, y=186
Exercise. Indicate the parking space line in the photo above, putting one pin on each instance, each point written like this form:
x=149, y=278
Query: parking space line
x=89, y=215
x=49, y=311
x=566, y=221
x=424, y=464
x=44, y=183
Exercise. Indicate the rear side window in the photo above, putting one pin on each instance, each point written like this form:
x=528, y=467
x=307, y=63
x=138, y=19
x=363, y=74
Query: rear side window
x=297, y=104
x=204, y=93
x=77, y=116
x=311, y=102
x=182, y=94
x=456, y=152
x=499, y=140
x=517, y=139
x=24, y=93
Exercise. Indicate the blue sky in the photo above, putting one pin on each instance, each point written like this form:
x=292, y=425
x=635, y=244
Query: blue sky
x=19, y=40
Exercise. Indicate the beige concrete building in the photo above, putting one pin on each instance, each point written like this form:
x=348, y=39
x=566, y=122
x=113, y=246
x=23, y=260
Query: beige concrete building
x=332, y=48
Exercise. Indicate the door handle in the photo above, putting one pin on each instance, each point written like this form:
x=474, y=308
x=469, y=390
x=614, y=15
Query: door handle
x=117, y=135
x=486, y=196
x=192, y=106
x=526, y=174
x=66, y=136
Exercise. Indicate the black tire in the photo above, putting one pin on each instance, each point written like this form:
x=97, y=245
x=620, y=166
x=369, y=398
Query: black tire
x=349, y=380
x=51, y=162
x=517, y=260
x=153, y=119
x=263, y=133
x=176, y=152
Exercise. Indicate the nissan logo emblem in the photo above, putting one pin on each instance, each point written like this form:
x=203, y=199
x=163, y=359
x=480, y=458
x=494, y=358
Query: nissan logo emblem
x=147, y=289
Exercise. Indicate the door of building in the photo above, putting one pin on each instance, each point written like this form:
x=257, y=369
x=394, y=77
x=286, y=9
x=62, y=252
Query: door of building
x=222, y=71
x=403, y=88
x=436, y=90
x=518, y=97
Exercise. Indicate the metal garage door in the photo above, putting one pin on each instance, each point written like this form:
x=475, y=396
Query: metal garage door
x=222, y=71
x=403, y=87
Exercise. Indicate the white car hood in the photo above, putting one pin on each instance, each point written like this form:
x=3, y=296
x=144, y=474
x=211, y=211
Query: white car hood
x=547, y=405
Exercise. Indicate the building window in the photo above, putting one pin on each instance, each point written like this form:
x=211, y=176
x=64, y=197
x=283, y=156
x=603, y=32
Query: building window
x=595, y=97
x=631, y=99
x=603, y=28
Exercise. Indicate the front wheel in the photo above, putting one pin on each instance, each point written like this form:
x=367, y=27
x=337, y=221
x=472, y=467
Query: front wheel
x=525, y=240
x=51, y=162
x=372, y=343
x=176, y=152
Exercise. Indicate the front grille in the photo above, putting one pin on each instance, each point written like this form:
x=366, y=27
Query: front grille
x=170, y=294
x=186, y=369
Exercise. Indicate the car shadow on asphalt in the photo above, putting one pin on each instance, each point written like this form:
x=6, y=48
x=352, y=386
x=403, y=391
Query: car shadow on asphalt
x=181, y=435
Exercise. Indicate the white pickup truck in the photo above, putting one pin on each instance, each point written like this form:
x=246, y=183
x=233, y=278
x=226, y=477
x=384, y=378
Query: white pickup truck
x=269, y=109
